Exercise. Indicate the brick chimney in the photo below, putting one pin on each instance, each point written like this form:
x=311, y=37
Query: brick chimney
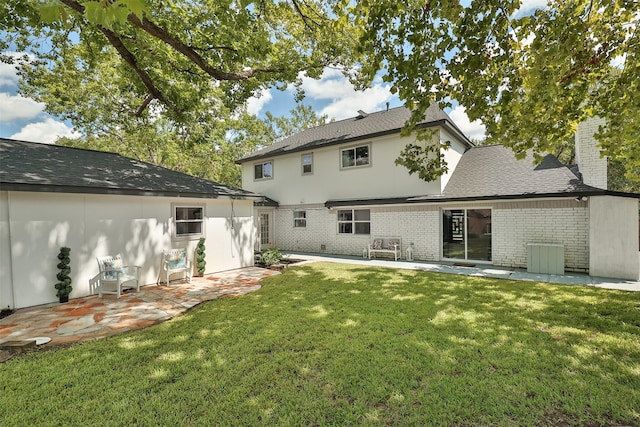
x=591, y=165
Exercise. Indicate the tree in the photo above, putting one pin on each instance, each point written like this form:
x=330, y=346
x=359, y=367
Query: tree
x=178, y=53
x=206, y=150
x=530, y=79
x=167, y=83
x=299, y=118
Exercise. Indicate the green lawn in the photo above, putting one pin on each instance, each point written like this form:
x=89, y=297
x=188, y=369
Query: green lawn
x=331, y=344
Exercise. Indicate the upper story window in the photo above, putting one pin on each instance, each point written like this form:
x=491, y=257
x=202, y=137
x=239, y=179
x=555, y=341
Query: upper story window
x=355, y=156
x=189, y=221
x=354, y=221
x=299, y=219
x=263, y=170
x=307, y=164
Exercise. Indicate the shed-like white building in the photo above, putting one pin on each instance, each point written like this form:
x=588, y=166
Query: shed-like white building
x=99, y=203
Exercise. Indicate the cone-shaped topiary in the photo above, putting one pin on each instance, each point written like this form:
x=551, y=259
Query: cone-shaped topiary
x=200, y=257
x=64, y=285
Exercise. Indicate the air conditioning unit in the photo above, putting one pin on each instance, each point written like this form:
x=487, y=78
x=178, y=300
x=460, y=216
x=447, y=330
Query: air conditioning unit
x=545, y=258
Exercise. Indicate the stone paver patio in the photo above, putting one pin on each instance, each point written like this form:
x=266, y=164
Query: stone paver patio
x=92, y=317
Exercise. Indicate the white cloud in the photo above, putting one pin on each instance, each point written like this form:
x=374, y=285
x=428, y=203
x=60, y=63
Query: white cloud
x=16, y=107
x=47, y=132
x=369, y=100
x=9, y=72
x=344, y=100
x=619, y=61
x=527, y=7
x=473, y=130
x=256, y=103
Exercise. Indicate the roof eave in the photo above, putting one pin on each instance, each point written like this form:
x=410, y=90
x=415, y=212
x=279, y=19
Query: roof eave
x=48, y=188
x=443, y=199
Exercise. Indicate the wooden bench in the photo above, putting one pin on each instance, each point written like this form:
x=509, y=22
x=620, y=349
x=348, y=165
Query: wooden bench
x=385, y=245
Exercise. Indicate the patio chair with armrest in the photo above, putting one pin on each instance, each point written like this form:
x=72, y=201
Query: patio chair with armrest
x=114, y=276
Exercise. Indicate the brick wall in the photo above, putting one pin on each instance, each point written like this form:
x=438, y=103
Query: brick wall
x=514, y=224
x=418, y=225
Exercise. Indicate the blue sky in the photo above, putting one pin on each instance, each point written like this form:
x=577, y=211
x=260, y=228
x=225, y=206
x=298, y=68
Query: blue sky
x=23, y=118
x=333, y=95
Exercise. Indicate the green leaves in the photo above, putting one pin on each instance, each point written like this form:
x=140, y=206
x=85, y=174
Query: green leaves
x=51, y=11
x=530, y=79
x=109, y=13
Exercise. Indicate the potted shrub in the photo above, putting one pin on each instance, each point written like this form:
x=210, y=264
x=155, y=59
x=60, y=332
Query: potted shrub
x=64, y=285
x=271, y=256
x=201, y=263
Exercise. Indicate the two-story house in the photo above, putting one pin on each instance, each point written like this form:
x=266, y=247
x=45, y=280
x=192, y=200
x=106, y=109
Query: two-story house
x=334, y=188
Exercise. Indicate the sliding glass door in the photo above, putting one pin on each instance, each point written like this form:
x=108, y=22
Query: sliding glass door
x=466, y=234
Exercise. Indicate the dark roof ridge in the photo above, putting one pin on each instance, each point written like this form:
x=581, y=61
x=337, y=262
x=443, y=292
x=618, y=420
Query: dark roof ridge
x=353, y=129
x=61, y=146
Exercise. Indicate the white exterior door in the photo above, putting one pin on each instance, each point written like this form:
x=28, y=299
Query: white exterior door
x=265, y=229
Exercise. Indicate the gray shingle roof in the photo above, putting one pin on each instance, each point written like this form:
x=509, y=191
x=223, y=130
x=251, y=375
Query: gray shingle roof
x=494, y=171
x=29, y=166
x=354, y=129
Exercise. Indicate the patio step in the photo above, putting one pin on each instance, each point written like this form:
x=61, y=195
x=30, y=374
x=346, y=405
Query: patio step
x=18, y=346
x=5, y=355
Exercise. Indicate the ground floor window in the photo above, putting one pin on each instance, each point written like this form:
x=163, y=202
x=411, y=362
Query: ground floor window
x=189, y=220
x=299, y=219
x=354, y=221
x=466, y=234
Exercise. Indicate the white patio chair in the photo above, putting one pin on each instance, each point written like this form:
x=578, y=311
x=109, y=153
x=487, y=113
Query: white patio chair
x=176, y=261
x=114, y=275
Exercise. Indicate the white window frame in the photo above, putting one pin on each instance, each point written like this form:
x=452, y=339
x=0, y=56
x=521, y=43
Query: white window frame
x=355, y=148
x=303, y=164
x=299, y=221
x=353, y=221
x=176, y=221
x=262, y=164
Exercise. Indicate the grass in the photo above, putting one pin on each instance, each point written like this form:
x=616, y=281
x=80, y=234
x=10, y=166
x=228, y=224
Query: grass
x=331, y=344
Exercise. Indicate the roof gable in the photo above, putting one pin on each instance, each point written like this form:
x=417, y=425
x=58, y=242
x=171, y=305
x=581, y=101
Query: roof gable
x=29, y=166
x=353, y=129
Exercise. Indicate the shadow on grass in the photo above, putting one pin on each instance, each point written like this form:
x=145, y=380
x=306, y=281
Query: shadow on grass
x=336, y=344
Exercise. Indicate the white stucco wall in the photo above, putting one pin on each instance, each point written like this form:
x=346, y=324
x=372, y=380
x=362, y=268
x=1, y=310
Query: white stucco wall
x=139, y=228
x=382, y=178
x=613, y=233
x=591, y=165
x=6, y=295
x=452, y=156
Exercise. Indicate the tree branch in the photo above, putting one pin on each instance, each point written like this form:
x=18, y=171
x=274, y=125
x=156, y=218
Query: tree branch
x=191, y=54
x=129, y=58
x=144, y=105
x=304, y=17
